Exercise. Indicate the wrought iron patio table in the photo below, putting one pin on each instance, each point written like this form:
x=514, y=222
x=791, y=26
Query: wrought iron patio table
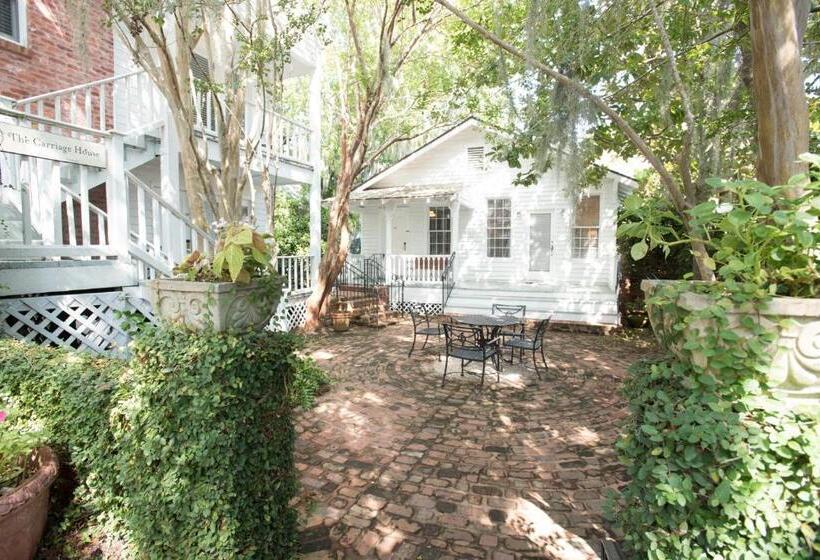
x=492, y=325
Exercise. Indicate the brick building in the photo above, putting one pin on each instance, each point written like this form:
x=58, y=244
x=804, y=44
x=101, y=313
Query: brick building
x=40, y=50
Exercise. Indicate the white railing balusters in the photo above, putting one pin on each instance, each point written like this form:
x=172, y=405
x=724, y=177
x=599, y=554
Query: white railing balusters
x=420, y=269
x=296, y=270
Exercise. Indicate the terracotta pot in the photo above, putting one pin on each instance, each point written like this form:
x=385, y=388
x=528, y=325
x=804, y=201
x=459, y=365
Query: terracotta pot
x=23, y=512
x=794, y=374
x=340, y=321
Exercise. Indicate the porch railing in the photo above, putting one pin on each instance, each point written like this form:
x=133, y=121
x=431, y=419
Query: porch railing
x=448, y=281
x=416, y=269
x=296, y=270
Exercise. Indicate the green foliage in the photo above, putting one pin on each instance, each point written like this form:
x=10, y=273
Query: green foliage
x=16, y=442
x=717, y=467
x=189, y=452
x=206, y=445
x=754, y=232
x=241, y=255
x=292, y=224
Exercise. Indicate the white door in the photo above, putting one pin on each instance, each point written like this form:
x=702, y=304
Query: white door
x=401, y=233
x=540, y=241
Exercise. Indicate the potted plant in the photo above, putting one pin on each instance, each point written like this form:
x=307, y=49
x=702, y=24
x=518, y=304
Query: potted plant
x=763, y=247
x=27, y=471
x=340, y=318
x=237, y=288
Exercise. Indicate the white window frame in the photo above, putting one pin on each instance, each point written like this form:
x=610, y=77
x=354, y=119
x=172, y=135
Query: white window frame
x=448, y=231
x=497, y=228
x=592, y=250
x=22, y=25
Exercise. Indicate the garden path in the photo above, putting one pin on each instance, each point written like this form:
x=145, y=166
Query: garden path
x=393, y=465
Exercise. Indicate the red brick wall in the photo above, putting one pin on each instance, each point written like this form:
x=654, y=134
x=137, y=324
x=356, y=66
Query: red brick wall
x=49, y=61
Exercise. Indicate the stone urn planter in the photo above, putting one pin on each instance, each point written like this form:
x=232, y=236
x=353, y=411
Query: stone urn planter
x=223, y=305
x=794, y=373
x=23, y=512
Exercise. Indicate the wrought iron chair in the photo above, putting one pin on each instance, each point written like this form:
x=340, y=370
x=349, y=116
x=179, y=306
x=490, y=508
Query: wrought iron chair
x=469, y=344
x=521, y=343
x=517, y=311
x=422, y=327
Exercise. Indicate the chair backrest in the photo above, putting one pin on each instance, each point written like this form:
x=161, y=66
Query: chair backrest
x=419, y=316
x=543, y=324
x=509, y=310
x=463, y=336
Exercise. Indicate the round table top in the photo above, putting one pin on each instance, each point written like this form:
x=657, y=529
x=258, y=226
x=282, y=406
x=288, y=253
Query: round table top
x=488, y=320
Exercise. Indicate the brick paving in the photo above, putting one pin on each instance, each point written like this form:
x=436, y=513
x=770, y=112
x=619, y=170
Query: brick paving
x=395, y=466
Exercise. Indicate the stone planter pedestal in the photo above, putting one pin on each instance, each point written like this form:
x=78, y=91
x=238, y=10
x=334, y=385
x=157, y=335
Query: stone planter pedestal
x=794, y=374
x=223, y=305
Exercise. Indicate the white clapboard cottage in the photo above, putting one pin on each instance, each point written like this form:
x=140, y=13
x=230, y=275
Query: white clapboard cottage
x=448, y=223
x=92, y=202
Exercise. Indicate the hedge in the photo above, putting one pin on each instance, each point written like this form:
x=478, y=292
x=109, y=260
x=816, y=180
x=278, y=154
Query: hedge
x=189, y=450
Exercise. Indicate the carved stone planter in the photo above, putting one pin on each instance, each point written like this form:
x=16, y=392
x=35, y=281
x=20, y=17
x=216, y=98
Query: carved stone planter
x=794, y=374
x=23, y=512
x=222, y=305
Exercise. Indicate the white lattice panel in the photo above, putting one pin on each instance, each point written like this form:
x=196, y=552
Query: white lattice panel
x=85, y=322
x=291, y=312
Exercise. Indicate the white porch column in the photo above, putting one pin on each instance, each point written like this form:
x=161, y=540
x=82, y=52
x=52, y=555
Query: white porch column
x=455, y=224
x=173, y=238
x=388, y=241
x=315, y=103
x=117, y=198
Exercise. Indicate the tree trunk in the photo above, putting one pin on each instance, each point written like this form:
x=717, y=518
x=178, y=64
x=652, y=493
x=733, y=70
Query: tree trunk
x=780, y=97
x=338, y=241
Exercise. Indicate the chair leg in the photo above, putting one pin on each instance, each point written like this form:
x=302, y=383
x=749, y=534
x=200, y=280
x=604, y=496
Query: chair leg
x=412, y=346
x=483, y=368
x=462, y=367
x=443, y=377
x=535, y=364
x=426, y=338
x=544, y=359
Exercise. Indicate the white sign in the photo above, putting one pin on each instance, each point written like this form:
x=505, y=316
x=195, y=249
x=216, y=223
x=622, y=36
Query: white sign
x=37, y=143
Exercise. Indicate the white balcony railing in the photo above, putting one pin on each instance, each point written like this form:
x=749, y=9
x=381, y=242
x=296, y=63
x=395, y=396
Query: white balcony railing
x=131, y=103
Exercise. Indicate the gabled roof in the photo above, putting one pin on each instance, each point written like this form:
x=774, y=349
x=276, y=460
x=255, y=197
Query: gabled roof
x=438, y=140
x=407, y=191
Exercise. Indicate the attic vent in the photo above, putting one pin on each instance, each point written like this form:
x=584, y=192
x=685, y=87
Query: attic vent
x=475, y=157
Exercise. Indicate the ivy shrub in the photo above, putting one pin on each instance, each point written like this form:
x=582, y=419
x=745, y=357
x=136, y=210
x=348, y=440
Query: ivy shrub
x=186, y=452
x=718, y=468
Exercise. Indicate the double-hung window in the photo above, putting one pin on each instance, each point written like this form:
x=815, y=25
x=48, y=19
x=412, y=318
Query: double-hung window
x=439, y=230
x=12, y=20
x=499, y=216
x=586, y=229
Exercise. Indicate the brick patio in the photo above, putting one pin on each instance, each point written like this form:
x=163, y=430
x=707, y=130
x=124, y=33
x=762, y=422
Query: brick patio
x=395, y=466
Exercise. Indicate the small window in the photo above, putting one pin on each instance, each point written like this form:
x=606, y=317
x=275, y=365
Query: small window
x=10, y=20
x=476, y=158
x=439, y=230
x=499, y=217
x=587, y=227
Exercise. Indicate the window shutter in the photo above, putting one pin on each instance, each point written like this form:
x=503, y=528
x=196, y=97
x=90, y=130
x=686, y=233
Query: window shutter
x=475, y=157
x=8, y=19
x=201, y=71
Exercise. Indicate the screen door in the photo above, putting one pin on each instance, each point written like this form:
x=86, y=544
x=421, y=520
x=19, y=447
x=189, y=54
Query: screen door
x=540, y=242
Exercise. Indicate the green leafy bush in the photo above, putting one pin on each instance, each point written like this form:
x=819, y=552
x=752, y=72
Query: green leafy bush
x=16, y=444
x=188, y=453
x=718, y=469
x=754, y=233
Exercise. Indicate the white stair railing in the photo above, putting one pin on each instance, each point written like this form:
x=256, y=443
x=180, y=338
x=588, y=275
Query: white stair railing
x=157, y=231
x=126, y=102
